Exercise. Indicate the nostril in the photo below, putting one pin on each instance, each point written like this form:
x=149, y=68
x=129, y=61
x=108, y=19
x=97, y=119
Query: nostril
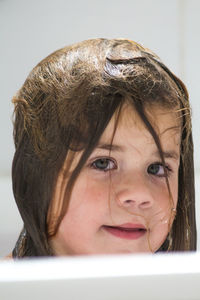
x=128, y=201
x=132, y=202
x=140, y=203
x=145, y=203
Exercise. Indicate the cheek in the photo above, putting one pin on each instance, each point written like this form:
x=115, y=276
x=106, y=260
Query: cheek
x=85, y=215
x=89, y=198
x=161, y=222
x=169, y=197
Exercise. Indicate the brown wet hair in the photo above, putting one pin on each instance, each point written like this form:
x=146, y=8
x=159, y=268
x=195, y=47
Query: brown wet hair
x=65, y=105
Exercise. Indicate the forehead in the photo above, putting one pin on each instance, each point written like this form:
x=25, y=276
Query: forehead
x=165, y=121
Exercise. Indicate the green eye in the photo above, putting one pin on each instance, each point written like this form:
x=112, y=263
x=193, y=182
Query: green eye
x=156, y=169
x=104, y=164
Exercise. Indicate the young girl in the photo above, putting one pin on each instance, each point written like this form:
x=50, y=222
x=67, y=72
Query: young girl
x=104, y=154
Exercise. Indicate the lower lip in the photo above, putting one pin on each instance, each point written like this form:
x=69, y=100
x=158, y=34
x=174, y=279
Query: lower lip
x=132, y=234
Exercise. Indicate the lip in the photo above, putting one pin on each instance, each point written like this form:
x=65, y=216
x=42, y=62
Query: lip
x=126, y=231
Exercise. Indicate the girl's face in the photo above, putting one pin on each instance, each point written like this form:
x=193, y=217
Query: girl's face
x=120, y=202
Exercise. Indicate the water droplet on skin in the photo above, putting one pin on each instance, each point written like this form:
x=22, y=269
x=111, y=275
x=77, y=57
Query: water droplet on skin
x=164, y=221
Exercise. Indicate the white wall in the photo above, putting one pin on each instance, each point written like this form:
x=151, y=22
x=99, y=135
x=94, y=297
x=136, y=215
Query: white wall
x=30, y=30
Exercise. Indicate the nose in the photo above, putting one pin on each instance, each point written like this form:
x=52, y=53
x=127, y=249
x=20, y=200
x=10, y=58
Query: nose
x=134, y=192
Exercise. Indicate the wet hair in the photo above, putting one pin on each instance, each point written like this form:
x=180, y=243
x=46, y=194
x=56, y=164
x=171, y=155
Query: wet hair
x=65, y=105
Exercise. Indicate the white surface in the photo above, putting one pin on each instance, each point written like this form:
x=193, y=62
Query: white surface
x=106, y=277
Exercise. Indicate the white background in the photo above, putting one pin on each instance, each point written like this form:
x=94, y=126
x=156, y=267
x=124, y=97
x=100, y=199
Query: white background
x=30, y=30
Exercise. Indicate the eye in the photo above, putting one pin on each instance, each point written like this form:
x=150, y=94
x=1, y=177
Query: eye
x=104, y=164
x=158, y=169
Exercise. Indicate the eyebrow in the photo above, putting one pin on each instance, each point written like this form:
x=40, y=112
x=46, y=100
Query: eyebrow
x=116, y=148
x=111, y=147
x=169, y=154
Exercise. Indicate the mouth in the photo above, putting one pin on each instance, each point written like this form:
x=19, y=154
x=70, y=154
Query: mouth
x=127, y=231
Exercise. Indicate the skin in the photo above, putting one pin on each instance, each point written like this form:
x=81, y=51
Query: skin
x=123, y=185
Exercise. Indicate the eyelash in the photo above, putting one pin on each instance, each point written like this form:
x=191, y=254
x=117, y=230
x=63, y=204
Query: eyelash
x=109, y=160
